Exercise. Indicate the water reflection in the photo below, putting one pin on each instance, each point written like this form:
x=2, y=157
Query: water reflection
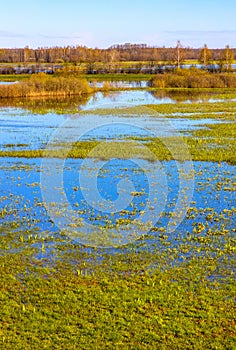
x=118, y=84
x=125, y=98
x=145, y=97
x=8, y=82
x=46, y=105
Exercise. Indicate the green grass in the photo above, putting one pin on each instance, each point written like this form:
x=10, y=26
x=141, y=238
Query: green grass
x=95, y=77
x=223, y=110
x=215, y=143
x=168, y=294
x=13, y=77
x=118, y=77
x=220, y=110
x=119, y=302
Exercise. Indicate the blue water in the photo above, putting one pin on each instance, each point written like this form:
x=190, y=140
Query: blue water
x=8, y=82
x=22, y=130
x=126, y=189
x=22, y=196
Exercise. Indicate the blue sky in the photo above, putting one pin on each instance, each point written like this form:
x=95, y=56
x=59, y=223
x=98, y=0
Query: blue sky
x=103, y=23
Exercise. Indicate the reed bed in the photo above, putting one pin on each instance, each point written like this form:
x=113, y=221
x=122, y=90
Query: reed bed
x=193, y=78
x=42, y=85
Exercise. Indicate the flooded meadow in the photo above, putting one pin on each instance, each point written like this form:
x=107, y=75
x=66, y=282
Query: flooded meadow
x=125, y=190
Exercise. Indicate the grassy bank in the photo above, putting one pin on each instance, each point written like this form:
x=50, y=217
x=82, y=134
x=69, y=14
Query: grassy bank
x=13, y=77
x=118, y=77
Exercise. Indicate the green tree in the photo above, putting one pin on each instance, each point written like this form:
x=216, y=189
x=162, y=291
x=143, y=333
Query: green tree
x=205, y=56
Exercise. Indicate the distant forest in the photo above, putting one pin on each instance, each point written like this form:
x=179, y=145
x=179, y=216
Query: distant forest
x=116, y=53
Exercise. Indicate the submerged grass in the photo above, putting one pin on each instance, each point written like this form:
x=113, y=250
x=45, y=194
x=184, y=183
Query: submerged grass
x=223, y=108
x=214, y=142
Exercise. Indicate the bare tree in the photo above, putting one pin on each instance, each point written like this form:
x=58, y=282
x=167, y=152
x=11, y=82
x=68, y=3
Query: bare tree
x=227, y=59
x=179, y=54
x=205, y=56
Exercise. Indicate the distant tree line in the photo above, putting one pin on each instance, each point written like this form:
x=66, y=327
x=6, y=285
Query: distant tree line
x=139, y=53
x=126, y=52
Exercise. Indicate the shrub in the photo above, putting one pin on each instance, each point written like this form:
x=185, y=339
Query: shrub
x=193, y=78
x=44, y=85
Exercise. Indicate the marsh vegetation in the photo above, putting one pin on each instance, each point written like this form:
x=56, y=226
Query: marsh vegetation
x=193, y=78
x=43, y=85
x=175, y=289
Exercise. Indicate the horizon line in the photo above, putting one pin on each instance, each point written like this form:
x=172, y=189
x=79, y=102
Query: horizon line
x=113, y=46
